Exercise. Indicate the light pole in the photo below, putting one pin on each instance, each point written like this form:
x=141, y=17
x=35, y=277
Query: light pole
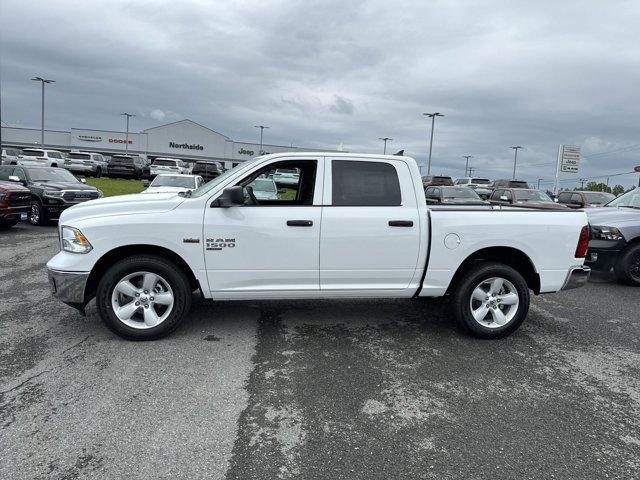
x=43, y=81
x=261, y=127
x=466, y=167
x=515, y=158
x=433, y=123
x=126, y=143
x=385, y=140
x=539, y=180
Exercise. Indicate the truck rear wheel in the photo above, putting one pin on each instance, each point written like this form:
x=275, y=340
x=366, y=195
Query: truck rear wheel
x=491, y=301
x=143, y=297
x=627, y=268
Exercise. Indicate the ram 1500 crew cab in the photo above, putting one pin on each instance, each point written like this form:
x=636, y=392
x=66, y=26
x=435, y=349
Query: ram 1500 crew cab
x=352, y=226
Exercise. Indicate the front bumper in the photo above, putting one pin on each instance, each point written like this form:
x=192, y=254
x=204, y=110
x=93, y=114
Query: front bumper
x=11, y=213
x=69, y=287
x=577, y=277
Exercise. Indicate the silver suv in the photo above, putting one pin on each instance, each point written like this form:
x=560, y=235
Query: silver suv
x=9, y=156
x=86, y=163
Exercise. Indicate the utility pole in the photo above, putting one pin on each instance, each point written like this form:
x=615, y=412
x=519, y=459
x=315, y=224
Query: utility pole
x=582, y=180
x=433, y=123
x=466, y=167
x=471, y=169
x=385, y=140
x=43, y=81
x=539, y=180
x=126, y=143
x=515, y=158
x=261, y=127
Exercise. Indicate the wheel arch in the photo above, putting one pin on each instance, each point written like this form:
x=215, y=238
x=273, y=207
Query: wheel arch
x=119, y=253
x=513, y=257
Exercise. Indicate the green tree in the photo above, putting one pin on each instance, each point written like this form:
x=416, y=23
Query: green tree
x=597, y=187
x=618, y=190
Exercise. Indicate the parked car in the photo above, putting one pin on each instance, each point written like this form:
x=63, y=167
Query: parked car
x=482, y=186
x=174, y=183
x=264, y=189
x=142, y=257
x=15, y=203
x=435, y=180
x=53, y=190
x=10, y=156
x=509, y=184
x=453, y=195
x=128, y=166
x=580, y=199
x=615, y=237
x=86, y=163
x=168, y=165
x=36, y=157
x=523, y=197
x=206, y=169
x=286, y=177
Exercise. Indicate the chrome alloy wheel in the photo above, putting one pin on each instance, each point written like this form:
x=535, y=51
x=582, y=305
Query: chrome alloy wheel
x=34, y=216
x=494, y=302
x=142, y=300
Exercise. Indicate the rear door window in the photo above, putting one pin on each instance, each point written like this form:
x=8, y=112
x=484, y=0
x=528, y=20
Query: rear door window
x=359, y=184
x=564, y=198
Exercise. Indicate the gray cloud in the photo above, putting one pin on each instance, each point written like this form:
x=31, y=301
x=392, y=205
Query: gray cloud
x=320, y=73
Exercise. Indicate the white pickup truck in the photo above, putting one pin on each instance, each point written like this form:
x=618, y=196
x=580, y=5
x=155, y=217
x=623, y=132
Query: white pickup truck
x=353, y=226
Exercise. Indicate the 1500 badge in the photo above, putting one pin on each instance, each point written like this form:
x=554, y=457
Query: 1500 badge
x=220, y=243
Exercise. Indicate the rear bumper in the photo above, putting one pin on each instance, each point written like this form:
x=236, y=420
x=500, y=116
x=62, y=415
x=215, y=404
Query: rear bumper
x=577, y=277
x=68, y=287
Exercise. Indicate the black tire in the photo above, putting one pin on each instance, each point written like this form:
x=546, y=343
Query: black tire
x=98, y=172
x=54, y=165
x=474, y=277
x=627, y=267
x=170, y=272
x=38, y=215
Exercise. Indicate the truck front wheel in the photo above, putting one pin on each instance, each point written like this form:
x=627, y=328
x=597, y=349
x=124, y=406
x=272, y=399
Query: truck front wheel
x=491, y=301
x=627, y=268
x=143, y=297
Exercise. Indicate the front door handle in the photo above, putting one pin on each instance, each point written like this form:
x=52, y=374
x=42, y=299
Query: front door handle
x=400, y=223
x=299, y=223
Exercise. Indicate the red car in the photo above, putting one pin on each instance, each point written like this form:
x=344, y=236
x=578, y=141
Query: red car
x=436, y=180
x=15, y=203
x=527, y=197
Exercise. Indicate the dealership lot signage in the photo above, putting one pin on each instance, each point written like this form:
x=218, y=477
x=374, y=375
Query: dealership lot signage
x=569, y=158
x=186, y=146
x=90, y=138
x=244, y=151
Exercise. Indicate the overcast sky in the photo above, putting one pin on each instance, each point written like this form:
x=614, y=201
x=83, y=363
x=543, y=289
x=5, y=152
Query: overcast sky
x=504, y=73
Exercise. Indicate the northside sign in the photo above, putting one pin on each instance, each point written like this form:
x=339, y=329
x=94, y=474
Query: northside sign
x=186, y=146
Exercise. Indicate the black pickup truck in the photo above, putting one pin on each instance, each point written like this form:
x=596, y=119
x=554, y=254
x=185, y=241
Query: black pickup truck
x=615, y=238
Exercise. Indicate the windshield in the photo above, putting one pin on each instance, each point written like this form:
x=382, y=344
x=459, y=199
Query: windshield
x=629, y=199
x=264, y=185
x=174, y=181
x=598, y=197
x=80, y=156
x=526, y=195
x=167, y=163
x=481, y=181
x=218, y=180
x=33, y=153
x=461, y=192
x=51, y=175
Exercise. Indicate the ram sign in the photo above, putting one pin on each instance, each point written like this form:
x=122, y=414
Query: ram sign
x=569, y=158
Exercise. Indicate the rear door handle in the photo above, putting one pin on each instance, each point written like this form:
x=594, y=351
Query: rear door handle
x=400, y=223
x=299, y=223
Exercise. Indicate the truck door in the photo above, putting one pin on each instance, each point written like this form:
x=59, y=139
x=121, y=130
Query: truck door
x=268, y=247
x=370, y=235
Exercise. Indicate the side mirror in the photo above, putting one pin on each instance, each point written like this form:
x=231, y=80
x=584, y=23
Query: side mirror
x=230, y=197
x=82, y=180
x=145, y=183
x=504, y=198
x=13, y=178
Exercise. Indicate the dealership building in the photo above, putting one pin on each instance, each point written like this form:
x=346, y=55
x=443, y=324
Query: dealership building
x=184, y=139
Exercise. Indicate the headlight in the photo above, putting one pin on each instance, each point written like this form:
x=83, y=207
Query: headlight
x=100, y=194
x=74, y=241
x=53, y=194
x=606, y=233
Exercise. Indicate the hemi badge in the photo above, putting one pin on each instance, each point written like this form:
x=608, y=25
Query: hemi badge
x=190, y=240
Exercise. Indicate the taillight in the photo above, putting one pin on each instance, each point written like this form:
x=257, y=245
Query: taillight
x=583, y=242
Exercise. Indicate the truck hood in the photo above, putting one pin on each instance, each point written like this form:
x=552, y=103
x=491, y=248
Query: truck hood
x=613, y=216
x=63, y=186
x=166, y=189
x=6, y=187
x=122, y=205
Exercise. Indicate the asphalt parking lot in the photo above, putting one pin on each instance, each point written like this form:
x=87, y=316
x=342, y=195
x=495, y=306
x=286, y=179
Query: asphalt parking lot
x=315, y=389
